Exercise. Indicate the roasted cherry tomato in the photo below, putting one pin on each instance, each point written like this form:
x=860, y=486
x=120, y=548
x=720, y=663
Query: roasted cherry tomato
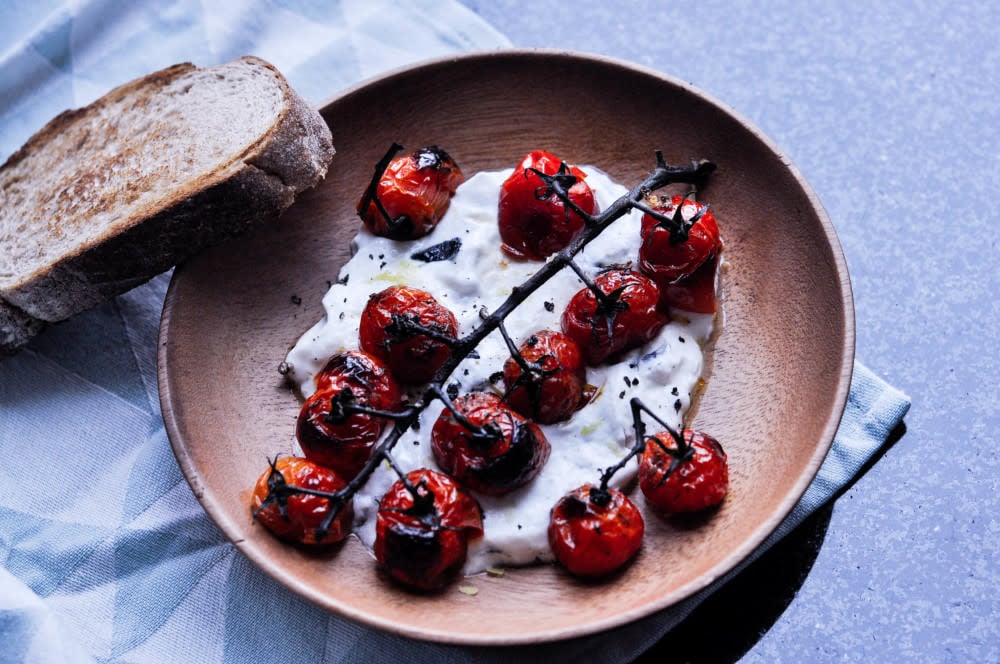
x=295, y=516
x=503, y=452
x=553, y=389
x=689, y=481
x=629, y=317
x=694, y=292
x=412, y=195
x=594, y=531
x=533, y=221
x=408, y=330
x=342, y=440
x=665, y=253
x=422, y=541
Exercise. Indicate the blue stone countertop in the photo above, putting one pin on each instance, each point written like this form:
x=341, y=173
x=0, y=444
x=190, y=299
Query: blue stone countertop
x=890, y=110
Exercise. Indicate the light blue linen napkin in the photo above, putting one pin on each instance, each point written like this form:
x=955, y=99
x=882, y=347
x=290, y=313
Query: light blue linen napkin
x=105, y=554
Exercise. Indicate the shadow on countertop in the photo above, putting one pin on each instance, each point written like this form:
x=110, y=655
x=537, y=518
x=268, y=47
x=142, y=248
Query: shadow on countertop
x=733, y=619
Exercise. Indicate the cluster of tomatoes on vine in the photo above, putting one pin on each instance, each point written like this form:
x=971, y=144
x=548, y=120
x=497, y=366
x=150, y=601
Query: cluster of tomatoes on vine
x=481, y=441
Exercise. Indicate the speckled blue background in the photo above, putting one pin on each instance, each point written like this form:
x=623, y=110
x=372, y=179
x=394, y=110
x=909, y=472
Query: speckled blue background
x=890, y=110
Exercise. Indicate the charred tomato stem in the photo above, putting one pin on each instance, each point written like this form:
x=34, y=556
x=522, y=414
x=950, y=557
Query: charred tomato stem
x=559, y=184
x=370, y=195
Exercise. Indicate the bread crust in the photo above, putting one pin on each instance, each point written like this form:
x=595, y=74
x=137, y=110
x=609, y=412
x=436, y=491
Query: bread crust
x=256, y=186
x=16, y=329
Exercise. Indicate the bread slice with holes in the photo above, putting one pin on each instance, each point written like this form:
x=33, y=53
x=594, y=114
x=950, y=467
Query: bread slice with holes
x=105, y=197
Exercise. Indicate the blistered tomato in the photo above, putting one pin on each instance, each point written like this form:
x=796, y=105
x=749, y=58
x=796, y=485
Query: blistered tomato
x=628, y=317
x=502, y=451
x=342, y=440
x=553, y=387
x=412, y=194
x=676, y=247
x=533, y=221
x=297, y=516
x=408, y=330
x=422, y=540
x=594, y=532
x=688, y=479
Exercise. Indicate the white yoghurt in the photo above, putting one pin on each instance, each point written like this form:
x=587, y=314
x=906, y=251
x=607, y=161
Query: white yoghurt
x=663, y=373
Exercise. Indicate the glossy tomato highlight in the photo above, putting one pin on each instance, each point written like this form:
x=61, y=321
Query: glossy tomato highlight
x=412, y=194
x=533, y=221
x=295, y=516
x=422, y=540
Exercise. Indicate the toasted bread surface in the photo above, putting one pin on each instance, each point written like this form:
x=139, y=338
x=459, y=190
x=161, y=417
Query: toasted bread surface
x=105, y=197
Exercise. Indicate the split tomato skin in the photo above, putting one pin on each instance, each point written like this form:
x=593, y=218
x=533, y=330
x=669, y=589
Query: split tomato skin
x=593, y=535
x=557, y=391
x=415, y=191
x=423, y=544
x=662, y=256
x=494, y=466
x=298, y=517
x=694, y=292
x=345, y=443
x=534, y=223
x=412, y=357
x=604, y=336
x=696, y=483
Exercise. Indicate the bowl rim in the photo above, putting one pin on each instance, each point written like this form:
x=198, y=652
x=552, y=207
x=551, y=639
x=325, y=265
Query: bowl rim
x=727, y=566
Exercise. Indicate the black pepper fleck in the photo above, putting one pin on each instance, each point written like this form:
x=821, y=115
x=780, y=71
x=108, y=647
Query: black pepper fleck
x=677, y=405
x=550, y=306
x=680, y=339
x=296, y=300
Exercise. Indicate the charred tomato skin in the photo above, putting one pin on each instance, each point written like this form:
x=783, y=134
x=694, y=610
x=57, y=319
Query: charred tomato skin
x=534, y=225
x=345, y=444
x=412, y=358
x=558, y=392
x=423, y=547
x=494, y=466
x=696, y=483
x=303, y=514
x=591, y=537
x=415, y=190
x=662, y=256
x=639, y=319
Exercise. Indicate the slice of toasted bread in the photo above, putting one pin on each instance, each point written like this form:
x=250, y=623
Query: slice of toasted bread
x=105, y=197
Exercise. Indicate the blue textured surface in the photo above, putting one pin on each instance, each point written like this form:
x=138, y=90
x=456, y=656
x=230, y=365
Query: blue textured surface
x=890, y=110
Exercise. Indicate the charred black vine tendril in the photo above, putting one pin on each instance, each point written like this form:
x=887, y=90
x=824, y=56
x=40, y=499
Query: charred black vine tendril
x=678, y=456
x=609, y=305
x=370, y=193
x=345, y=403
x=662, y=175
x=560, y=184
x=407, y=326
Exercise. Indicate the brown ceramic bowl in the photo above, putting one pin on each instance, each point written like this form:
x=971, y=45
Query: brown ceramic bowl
x=780, y=371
